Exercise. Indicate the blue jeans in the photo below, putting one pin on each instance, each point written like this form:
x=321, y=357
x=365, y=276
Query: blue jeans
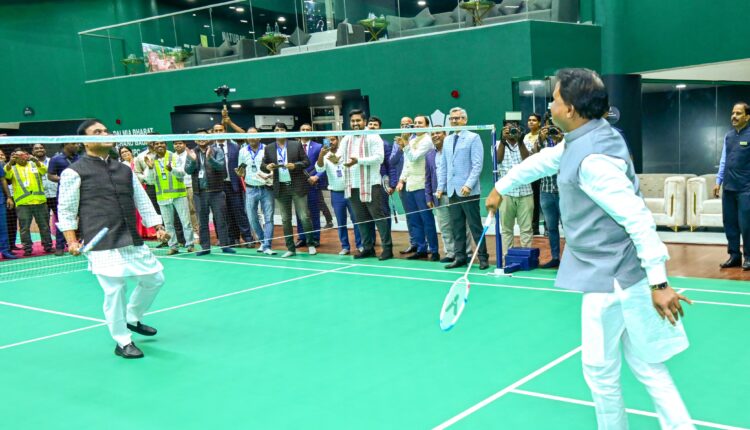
x=424, y=222
x=263, y=197
x=340, y=207
x=410, y=216
x=550, y=203
x=4, y=246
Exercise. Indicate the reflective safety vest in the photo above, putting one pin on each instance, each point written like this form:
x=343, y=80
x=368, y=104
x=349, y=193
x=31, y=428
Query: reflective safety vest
x=27, y=184
x=168, y=186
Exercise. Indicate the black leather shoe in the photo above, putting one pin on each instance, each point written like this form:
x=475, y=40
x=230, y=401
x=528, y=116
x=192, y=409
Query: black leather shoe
x=409, y=250
x=435, y=257
x=447, y=260
x=142, y=329
x=300, y=244
x=203, y=252
x=162, y=245
x=417, y=256
x=732, y=262
x=365, y=254
x=484, y=265
x=128, y=351
x=227, y=250
x=746, y=265
x=456, y=263
x=551, y=264
x=387, y=254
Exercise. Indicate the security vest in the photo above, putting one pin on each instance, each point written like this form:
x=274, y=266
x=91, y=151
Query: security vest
x=168, y=186
x=27, y=184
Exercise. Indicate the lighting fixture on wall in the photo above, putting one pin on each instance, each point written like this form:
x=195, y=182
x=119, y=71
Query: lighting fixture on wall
x=528, y=92
x=281, y=19
x=279, y=102
x=236, y=106
x=244, y=21
x=535, y=83
x=421, y=3
x=240, y=9
x=232, y=7
x=680, y=86
x=330, y=97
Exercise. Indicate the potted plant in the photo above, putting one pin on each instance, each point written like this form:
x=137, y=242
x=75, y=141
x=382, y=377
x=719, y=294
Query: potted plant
x=131, y=63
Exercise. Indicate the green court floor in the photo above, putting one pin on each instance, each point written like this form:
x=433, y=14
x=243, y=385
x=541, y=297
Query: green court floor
x=324, y=342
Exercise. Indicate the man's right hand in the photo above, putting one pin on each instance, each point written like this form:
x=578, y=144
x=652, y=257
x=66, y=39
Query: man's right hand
x=149, y=162
x=717, y=188
x=270, y=166
x=240, y=171
x=439, y=194
x=493, y=201
x=9, y=203
x=191, y=154
x=75, y=248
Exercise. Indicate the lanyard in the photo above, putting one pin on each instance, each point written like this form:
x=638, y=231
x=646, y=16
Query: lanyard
x=254, y=154
x=281, y=155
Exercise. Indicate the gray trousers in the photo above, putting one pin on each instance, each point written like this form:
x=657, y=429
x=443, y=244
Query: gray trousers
x=39, y=213
x=443, y=215
x=284, y=201
x=182, y=207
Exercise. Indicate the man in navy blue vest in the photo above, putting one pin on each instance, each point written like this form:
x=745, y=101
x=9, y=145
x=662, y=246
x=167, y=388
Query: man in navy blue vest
x=612, y=254
x=734, y=175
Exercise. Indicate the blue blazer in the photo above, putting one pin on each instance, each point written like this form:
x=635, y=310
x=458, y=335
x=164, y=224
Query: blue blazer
x=462, y=165
x=313, y=152
x=233, y=155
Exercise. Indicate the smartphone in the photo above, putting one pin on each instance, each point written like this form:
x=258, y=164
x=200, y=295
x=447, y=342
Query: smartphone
x=242, y=166
x=326, y=143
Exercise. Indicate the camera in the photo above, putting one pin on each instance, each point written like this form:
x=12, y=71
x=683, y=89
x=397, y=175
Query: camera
x=222, y=91
x=514, y=131
x=553, y=131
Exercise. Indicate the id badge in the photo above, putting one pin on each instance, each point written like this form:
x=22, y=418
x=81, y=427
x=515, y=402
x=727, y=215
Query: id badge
x=164, y=176
x=254, y=168
x=201, y=174
x=35, y=171
x=339, y=173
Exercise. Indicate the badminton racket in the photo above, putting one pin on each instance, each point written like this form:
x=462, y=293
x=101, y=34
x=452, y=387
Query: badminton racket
x=458, y=295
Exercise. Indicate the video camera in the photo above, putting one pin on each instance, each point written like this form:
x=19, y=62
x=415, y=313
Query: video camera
x=223, y=92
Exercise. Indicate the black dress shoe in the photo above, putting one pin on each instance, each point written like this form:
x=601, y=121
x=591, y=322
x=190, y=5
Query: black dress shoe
x=128, y=351
x=417, y=256
x=387, y=254
x=435, y=257
x=365, y=254
x=142, y=329
x=447, y=260
x=732, y=262
x=484, y=265
x=746, y=265
x=162, y=245
x=300, y=244
x=409, y=250
x=203, y=252
x=551, y=264
x=456, y=263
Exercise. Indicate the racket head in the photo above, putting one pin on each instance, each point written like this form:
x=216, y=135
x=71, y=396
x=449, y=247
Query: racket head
x=454, y=303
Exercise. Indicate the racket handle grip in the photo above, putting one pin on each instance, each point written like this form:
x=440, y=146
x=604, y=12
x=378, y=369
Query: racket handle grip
x=490, y=218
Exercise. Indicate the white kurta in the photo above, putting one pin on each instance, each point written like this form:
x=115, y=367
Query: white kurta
x=119, y=262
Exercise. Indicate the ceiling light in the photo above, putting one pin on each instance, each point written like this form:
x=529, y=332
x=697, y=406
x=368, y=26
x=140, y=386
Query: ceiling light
x=279, y=102
x=236, y=106
x=206, y=26
x=232, y=7
x=283, y=28
x=244, y=21
x=680, y=86
x=240, y=9
x=535, y=83
x=251, y=32
x=283, y=107
x=330, y=97
x=528, y=92
x=422, y=3
x=195, y=14
x=281, y=19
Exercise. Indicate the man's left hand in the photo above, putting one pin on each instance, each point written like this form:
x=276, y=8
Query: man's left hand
x=667, y=303
x=352, y=161
x=169, y=167
x=290, y=166
x=465, y=191
x=312, y=180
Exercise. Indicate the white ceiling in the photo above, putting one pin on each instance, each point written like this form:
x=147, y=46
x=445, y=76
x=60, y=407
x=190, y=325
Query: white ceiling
x=738, y=70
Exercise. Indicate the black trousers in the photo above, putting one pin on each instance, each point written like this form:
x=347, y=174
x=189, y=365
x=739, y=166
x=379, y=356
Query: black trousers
x=466, y=210
x=536, y=188
x=236, y=216
x=206, y=202
x=151, y=193
x=12, y=223
x=369, y=213
x=736, y=216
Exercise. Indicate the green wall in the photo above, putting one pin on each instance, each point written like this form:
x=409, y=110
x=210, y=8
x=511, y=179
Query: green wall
x=643, y=35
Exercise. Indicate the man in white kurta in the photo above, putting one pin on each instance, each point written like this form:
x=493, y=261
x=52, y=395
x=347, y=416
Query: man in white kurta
x=613, y=255
x=96, y=192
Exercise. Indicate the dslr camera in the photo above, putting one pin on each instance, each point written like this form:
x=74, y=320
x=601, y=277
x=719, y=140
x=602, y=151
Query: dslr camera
x=514, y=131
x=222, y=91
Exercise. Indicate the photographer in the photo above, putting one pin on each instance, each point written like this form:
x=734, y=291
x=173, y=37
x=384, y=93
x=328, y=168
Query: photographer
x=25, y=172
x=549, y=137
x=518, y=203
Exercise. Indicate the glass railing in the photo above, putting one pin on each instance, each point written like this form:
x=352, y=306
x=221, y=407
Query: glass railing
x=246, y=29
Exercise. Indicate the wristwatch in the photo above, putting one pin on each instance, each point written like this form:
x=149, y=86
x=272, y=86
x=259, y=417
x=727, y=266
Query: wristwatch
x=661, y=286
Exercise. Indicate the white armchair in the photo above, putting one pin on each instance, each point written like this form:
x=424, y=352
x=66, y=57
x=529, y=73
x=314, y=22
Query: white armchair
x=704, y=210
x=664, y=194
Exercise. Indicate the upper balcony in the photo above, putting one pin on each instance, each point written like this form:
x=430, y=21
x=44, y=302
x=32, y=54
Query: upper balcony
x=249, y=29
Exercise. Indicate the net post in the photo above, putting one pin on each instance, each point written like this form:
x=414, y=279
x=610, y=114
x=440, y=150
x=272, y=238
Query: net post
x=498, y=235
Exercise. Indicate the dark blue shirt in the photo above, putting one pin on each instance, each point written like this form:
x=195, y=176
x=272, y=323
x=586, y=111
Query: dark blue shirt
x=60, y=162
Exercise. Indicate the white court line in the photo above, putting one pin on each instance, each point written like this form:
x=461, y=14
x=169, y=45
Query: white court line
x=735, y=305
x=628, y=410
x=63, y=333
x=717, y=291
x=49, y=311
x=507, y=389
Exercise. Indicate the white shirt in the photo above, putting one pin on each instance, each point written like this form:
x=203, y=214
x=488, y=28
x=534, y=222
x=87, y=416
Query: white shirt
x=126, y=261
x=253, y=174
x=334, y=172
x=374, y=160
x=603, y=179
x=413, y=172
x=181, y=160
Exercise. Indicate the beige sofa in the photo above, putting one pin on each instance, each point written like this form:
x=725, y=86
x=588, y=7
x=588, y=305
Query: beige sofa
x=665, y=197
x=703, y=209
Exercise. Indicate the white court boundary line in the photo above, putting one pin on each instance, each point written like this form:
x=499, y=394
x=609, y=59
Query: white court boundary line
x=507, y=389
x=171, y=308
x=49, y=311
x=628, y=410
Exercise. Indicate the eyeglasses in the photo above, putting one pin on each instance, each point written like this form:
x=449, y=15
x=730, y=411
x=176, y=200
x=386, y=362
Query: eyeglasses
x=455, y=118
